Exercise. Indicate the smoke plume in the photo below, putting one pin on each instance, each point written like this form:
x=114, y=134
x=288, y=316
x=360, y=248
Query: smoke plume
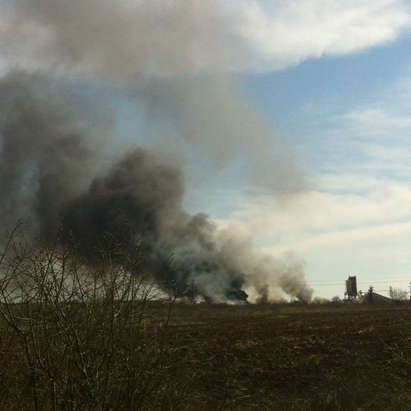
x=175, y=57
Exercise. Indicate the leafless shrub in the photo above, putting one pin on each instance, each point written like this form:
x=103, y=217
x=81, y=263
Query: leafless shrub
x=74, y=336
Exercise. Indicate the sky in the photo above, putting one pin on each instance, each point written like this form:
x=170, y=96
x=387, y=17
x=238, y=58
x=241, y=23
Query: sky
x=328, y=83
x=347, y=115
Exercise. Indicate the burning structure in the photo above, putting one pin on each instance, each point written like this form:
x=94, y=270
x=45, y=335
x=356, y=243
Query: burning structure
x=58, y=174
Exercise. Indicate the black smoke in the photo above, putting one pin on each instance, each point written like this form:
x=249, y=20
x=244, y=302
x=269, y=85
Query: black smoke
x=139, y=202
x=54, y=173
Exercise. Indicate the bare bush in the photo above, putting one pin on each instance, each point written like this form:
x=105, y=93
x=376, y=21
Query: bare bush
x=77, y=337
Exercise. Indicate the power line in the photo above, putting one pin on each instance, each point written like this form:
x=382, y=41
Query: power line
x=363, y=281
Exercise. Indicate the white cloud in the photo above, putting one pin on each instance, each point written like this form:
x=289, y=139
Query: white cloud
x=347, y=201
x=287, y=32
x=356, y=224
x=374, y=123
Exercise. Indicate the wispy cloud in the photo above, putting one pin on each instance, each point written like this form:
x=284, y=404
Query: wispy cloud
x=367, y=140
x=345, y=202
x=287, y=32
x=357, y=218
x=355, y=224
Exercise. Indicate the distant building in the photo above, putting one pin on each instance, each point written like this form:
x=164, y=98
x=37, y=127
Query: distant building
x=351, y=292
x=372, y=297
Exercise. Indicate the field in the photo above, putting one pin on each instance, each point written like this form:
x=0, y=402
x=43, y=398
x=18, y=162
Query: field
x=295, y=357
x=195, y=357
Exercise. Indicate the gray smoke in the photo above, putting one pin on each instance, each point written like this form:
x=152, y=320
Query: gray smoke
x=123, y=40
x=139, y=202
x=46, y=153
x=175, y=57
x=211, y=113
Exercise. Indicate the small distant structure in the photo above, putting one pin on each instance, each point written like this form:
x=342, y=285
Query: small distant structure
x=371, y=297
x=351, y=292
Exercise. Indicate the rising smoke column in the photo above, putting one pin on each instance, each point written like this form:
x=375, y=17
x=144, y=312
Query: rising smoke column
x=51, y=176
x=46, y=155
x=139, y=201
x=176, y=57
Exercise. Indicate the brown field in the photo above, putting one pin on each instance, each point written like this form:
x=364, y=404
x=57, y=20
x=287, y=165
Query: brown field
x=295, y=357
x=195, y=357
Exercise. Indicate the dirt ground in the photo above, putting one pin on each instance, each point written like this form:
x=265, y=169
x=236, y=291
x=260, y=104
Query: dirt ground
x=332, y=357
x=214, y=357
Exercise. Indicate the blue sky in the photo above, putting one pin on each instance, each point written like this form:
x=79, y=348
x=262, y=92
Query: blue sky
x=311, y=95
x=348, y=117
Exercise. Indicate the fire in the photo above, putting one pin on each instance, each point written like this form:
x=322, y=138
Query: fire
x=229, y=302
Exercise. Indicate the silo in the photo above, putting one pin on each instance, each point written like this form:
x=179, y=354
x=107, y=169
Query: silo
x=351, y=288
